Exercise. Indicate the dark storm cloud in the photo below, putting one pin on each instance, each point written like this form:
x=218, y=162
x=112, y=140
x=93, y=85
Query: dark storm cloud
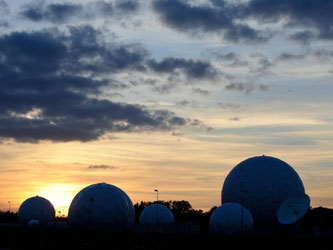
x=50, y=80
x=111, y=8
x=217, y=17
x=222, y=17
x=60, y=12
x=191, y=68
x=54, y=12
x=310, y=14
x=127, y=5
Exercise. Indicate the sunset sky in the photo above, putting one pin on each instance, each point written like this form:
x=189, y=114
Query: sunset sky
x=162, y=94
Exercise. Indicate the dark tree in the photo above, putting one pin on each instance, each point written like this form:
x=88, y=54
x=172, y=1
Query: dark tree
x=318, y=217
x=8, y=217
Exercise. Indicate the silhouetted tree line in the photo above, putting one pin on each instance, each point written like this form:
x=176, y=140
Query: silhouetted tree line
x=318, y=217
x=183, y=212
x=8, y=217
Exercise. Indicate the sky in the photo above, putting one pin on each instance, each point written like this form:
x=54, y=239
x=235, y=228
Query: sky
x=162, y=94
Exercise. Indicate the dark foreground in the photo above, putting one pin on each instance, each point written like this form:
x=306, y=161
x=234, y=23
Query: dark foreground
x=20, y=238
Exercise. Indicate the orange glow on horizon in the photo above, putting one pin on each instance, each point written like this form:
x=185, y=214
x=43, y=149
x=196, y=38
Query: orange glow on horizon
x=60, y=195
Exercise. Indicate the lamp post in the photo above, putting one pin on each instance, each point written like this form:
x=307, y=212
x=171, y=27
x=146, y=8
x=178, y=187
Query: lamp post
x=156, y=207
x=156, y=194
x=9, y=203
x=242, y=208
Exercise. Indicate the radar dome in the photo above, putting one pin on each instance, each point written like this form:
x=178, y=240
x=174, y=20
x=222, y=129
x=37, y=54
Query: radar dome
x=101, y=206
x=227, y=219
x=261, y=184
x=156, y=214
x=33, y=224
x=36, y=208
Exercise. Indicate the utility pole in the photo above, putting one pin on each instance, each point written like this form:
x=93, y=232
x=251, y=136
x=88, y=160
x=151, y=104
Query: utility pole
x=9, y=203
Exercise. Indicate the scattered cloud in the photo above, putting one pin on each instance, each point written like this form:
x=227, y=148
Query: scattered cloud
x=216, y=17
x=236, y=119
x=290, y=57
x=4, y=7
x=323, y=55
x=200, y=91
x=4, y=10
x=55, y=12
x=183, y=103
x=106, y=167
x=230, y=59
x=165, y=88
x=313, y=15
x=231, y=106
x=40, y=11
x=262, y=67
x=240, y=86
x=228, y=18
x=303, y=37
x=191, y=68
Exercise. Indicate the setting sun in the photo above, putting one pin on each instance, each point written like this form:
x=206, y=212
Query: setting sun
x=60, y=195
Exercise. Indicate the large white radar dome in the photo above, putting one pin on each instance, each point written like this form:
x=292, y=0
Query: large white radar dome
x=36, y=208
x=101, y=206
x=227, y=219
x=261, y=184
x=156, y=214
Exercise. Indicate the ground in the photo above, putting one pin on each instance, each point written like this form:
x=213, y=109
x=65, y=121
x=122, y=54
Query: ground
x=19, y=238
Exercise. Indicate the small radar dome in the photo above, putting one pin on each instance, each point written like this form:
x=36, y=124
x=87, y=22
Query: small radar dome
x=36, y=208
x=261, y=184
x=101, y=206
x=33, y=224
x=156, y=214
x=230, y=218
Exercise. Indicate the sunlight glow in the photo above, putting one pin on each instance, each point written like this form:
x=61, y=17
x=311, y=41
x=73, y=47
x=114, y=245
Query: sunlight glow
x=60, y=195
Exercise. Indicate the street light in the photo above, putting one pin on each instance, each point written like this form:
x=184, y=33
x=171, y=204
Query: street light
x=157, y=195
x=156, y=206
x=9, y=203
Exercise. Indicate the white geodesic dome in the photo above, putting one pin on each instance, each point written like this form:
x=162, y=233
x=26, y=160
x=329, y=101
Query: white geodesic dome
x=227, y=219
x=156, y=214
x=261, y=184
x=36, y=208
x=101, y=206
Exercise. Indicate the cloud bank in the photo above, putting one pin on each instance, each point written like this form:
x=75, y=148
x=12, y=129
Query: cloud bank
x=50, y=81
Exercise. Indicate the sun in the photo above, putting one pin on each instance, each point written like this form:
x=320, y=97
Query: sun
x=60, y=195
